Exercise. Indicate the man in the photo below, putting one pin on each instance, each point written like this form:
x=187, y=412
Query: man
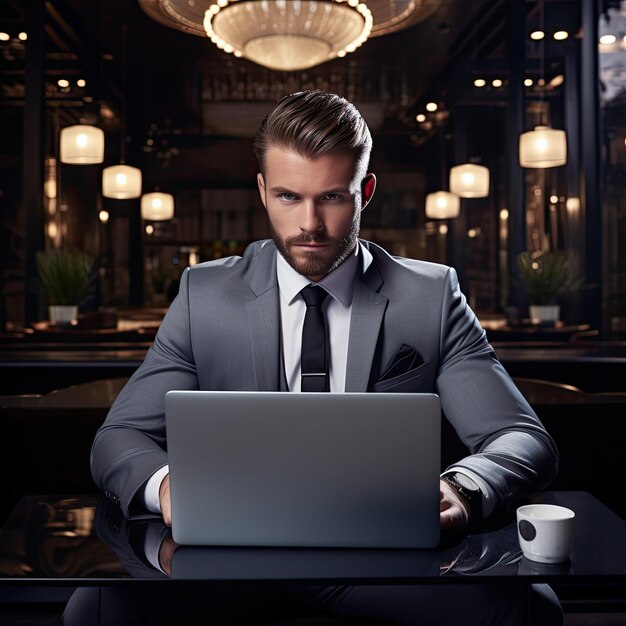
x=395, y=325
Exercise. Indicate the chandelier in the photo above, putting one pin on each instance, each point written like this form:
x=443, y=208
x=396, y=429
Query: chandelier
x=288, y=35
x=285, y=35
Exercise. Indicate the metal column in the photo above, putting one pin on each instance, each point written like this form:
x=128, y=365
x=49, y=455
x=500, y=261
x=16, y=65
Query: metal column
x=591, y=157
x=515, y=126
x=33, y=153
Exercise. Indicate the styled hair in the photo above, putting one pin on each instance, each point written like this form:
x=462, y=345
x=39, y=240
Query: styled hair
x=313, y=123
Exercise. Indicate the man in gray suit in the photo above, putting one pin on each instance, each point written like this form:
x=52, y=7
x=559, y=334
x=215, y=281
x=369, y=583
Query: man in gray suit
x=395, y=325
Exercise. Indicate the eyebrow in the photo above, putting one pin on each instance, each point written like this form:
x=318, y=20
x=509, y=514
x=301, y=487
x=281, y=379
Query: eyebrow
x=327, y=191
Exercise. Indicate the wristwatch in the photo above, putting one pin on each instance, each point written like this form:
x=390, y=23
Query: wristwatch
x=468, y=490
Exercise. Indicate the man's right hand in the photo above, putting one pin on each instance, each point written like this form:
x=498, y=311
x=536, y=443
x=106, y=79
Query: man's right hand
x=165, y=500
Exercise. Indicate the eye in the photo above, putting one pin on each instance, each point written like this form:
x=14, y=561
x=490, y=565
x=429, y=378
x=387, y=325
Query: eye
x=288, y=197
x=333, y=197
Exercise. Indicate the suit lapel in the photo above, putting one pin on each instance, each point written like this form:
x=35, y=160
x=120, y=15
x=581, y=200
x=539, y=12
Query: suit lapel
x=368, y=309
x=264, y=321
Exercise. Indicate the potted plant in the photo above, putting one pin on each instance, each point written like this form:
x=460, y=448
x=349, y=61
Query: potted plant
x=546, y=276
x=65, y=276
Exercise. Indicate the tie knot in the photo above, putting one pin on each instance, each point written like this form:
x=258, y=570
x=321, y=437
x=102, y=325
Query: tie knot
x=313, y=295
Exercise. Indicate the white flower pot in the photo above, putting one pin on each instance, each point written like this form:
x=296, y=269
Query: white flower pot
x=62, y=313
x=544, y=313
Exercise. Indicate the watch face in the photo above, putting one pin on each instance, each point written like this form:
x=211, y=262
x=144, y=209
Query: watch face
x=465, y=482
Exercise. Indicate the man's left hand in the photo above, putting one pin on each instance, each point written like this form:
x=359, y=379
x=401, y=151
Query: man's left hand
x=454, y=511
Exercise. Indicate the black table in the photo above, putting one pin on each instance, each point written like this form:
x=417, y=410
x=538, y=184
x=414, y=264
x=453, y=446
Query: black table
x=83, y=541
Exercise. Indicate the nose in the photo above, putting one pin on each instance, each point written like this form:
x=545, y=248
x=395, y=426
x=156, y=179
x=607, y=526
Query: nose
x=311, y=219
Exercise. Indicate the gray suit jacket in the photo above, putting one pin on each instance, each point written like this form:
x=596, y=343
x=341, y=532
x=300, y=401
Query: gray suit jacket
x=223, y=333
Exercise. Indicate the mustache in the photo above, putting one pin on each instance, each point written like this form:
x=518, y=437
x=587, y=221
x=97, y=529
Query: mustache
x=304, y=238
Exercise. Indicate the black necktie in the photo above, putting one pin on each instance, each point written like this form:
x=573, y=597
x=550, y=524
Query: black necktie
x=314, y=362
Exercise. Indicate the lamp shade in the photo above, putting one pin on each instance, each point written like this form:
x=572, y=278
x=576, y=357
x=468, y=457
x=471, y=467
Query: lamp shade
x=157, y=206
x=442, y=205
x=82, y=145
x=543, y=147
x=121, y=182
x=469, y=181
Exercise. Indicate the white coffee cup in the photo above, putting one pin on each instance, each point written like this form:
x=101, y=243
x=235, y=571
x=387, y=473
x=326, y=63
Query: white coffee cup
x=545, y=532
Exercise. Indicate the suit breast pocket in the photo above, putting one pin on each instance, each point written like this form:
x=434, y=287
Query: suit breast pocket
x=413, y=381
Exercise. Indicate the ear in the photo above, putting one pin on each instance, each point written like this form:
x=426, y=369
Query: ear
x=368, y=186
x=260, y=181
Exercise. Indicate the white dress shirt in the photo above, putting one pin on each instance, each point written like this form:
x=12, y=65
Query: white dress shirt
x=337, y=309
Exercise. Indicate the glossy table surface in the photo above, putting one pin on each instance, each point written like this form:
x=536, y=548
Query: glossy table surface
x=84, y=540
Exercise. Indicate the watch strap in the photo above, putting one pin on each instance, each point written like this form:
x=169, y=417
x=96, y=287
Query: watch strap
x=473, y=497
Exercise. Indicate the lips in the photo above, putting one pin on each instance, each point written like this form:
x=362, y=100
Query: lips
x=311, y=246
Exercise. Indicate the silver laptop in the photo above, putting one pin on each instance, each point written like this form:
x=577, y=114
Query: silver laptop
x=309, y=470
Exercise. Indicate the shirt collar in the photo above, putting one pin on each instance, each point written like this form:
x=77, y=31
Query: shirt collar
x=339, y=283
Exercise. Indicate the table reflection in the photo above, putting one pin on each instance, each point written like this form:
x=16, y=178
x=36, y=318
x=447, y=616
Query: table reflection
x=88, y=537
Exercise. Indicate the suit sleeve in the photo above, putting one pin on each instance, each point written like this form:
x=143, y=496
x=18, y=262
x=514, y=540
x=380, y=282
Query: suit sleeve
x=131, y=444
x=510, y=448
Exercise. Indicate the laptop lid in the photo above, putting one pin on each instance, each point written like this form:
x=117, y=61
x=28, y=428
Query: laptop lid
x=314, y=470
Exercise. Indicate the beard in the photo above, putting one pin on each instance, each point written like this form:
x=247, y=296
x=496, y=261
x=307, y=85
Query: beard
x=319, y=264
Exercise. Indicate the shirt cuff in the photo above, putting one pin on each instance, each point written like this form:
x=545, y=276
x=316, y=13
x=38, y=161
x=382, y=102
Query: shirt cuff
x=151, y=499
x=488, y=494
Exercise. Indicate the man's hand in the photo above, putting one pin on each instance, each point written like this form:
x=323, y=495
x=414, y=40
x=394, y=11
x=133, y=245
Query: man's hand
x=165, y=500
x=454, y=511
x=166, y=552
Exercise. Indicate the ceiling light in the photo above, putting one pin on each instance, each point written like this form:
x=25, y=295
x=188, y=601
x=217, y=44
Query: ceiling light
x=82, y=145
x=554, y=199
x=420, y=118
x=480, y=82
x=442, y=205
x=608, y=40
x=22, y=36
x=557, y=81
x=432, y=107
x=496, y=82
x=469, y=180
x=472, y=232
x=103, y=216
x=443, y=229
x=572, y=205
x=149, y=229
x=528, y=82
x=81, y=82
x=543, y=147
x=4, y=37
x=63, y=83
x=537, y=35
x=121, y=182
x=157, y=206
x=561, y=35
x=504, y=214
x=288, y=36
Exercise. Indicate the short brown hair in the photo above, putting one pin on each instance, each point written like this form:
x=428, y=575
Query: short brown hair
x=312, y=123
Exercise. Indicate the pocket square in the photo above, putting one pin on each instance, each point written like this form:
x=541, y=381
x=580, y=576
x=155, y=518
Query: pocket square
x=405, y=360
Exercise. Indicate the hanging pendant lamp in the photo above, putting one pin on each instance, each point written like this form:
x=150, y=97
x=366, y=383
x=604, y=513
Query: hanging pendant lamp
x=157, y=206
x=121, y=182
x=82, y=145
x=469, y=181
x=543, y=147
x=442, y=205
